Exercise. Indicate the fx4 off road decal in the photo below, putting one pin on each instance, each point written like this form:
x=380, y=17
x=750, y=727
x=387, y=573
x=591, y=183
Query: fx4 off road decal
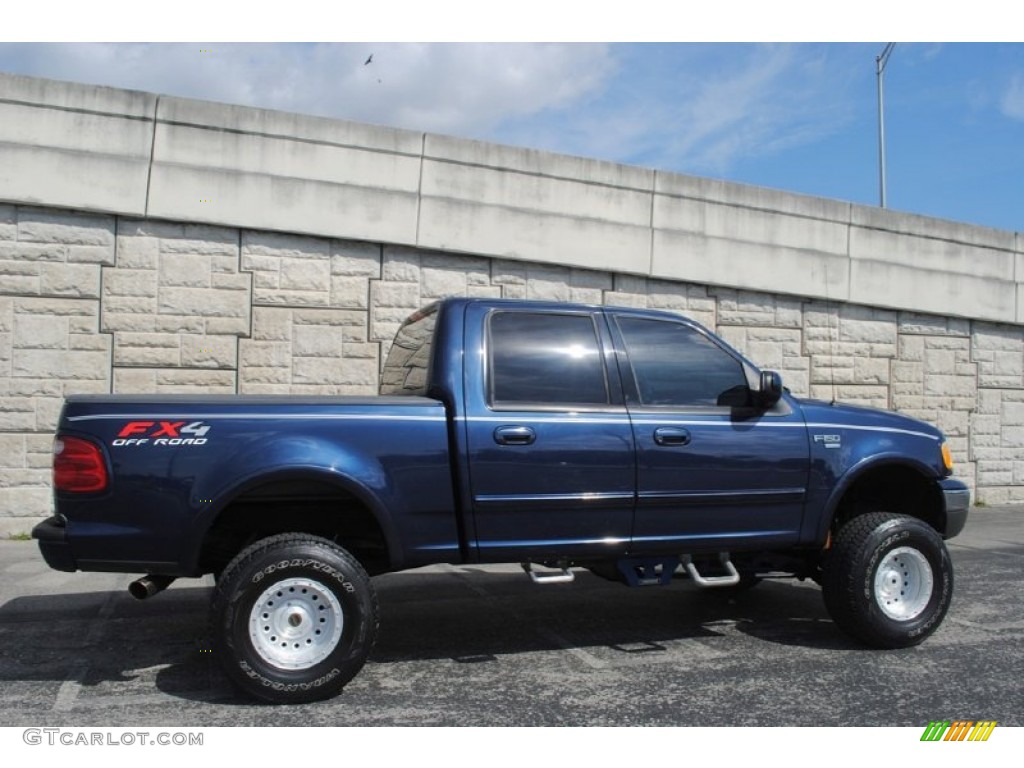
x=162, y=433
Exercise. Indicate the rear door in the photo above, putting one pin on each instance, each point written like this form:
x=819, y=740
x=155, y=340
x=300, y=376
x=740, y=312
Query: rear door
x=712, y=472
x=551, y=453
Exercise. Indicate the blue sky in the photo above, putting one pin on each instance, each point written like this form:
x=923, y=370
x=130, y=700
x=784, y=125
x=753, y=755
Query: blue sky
x=795, y=116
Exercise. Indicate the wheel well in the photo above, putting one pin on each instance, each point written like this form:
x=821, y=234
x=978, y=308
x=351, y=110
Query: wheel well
x=894, y=488
x=295, y=506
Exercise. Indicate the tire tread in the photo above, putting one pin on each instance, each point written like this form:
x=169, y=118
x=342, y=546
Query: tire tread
x=842, y=581
x=224, y=591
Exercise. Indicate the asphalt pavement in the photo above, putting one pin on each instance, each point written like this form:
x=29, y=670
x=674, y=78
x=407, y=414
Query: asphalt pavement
x=476, y=645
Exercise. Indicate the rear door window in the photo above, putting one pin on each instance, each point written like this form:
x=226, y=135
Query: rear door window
x=545, y=358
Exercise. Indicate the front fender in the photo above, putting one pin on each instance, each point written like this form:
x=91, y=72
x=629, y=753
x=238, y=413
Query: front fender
x=859, y=470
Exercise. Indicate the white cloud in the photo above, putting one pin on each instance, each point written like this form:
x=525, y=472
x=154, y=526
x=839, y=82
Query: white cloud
x=1012, y=103
x=702, y=108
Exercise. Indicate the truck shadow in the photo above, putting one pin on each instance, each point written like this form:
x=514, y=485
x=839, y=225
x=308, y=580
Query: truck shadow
x=108, y=644
x=111, y=645
x=478, y=616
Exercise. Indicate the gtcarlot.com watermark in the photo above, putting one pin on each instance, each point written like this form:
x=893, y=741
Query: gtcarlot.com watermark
x=79, y=737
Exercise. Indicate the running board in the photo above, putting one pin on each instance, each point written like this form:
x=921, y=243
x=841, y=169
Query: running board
x=732, y=578
x=562, y=576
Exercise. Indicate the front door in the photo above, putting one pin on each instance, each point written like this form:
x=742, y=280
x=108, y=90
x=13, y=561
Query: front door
x=712, y=472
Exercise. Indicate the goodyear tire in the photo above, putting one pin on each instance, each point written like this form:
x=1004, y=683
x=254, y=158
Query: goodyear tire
x=888, y=580
x=293, y=619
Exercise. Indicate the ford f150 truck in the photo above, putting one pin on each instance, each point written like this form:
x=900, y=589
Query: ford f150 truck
x=634, y=443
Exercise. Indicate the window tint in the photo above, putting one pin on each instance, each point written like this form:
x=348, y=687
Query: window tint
x=545, y=358
x=405, y=370
x=674, y=364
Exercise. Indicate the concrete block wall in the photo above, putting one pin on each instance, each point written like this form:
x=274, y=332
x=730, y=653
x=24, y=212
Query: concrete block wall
x=175, y=305
x=103, y=303
x=50, y=340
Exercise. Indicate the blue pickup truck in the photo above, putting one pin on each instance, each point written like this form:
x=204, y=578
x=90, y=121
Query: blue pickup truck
x=632, y=443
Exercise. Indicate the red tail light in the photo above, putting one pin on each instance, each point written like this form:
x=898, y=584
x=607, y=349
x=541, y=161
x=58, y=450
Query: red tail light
x=78, y=466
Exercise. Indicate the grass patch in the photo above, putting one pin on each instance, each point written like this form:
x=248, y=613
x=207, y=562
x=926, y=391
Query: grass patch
x=20, y=536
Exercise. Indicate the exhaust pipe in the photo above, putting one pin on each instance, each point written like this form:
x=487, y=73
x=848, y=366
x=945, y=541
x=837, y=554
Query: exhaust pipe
x=149, y=585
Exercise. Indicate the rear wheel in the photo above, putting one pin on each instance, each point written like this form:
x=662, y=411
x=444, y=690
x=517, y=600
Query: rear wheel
x=887, y=580
x=294, y=618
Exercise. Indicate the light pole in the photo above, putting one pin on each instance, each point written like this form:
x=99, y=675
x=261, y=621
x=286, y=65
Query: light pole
x=880, y=61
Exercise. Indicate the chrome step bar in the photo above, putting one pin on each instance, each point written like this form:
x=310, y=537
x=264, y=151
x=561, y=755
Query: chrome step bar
x=731, y=578
x=562, y=576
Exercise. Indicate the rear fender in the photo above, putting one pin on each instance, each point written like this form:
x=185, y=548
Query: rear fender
x=307, y=459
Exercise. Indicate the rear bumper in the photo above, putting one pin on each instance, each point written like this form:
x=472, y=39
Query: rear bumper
x=957, y=500
x=53, y=544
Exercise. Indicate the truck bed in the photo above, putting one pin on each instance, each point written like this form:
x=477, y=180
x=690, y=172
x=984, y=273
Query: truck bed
x=178, y=461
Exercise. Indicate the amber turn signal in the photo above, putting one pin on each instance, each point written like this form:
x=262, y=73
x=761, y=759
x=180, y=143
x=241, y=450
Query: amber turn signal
x=947, y=457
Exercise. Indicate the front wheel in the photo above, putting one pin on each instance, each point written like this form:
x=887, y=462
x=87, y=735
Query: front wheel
x=887, y=580
x=293, y=618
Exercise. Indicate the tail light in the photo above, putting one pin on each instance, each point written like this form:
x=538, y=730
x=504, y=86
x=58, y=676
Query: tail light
x=78, y=466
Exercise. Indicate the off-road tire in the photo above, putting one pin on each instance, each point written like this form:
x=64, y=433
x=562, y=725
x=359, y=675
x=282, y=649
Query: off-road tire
x=293, y=619
x=888, y=580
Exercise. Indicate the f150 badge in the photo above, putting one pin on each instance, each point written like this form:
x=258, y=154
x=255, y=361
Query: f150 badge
x=163, y=433
x=830, y=441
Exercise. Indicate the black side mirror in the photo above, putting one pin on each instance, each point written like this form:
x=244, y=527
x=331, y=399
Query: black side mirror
x=771, y=389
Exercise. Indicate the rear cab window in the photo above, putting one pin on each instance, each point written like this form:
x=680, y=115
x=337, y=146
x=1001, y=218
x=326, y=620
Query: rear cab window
x=407, y=367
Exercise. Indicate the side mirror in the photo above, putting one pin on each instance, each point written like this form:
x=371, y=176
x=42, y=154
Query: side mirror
x=771, y=389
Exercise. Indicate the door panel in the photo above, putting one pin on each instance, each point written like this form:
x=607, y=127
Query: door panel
x=735, y=482
x=569, y=491
x=552, y=460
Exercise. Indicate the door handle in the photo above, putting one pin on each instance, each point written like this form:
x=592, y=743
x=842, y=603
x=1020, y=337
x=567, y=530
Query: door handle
x=514, y=435
x=671, y=436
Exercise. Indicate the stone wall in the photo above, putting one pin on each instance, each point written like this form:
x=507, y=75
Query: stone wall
x=102, y=303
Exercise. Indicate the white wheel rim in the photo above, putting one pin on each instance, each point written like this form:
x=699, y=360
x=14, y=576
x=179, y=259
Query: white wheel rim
x=295, y=623
x=903, y=584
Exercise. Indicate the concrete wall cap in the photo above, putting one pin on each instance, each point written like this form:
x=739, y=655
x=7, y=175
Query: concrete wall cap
x=537, y=162
x=932, y=228
x=57, y=94
x=287, y=125
x=749, y=196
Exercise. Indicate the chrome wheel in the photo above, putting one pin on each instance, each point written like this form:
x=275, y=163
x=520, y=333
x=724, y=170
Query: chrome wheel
x=903, y=584
x=293, y=618
x=296, y=623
